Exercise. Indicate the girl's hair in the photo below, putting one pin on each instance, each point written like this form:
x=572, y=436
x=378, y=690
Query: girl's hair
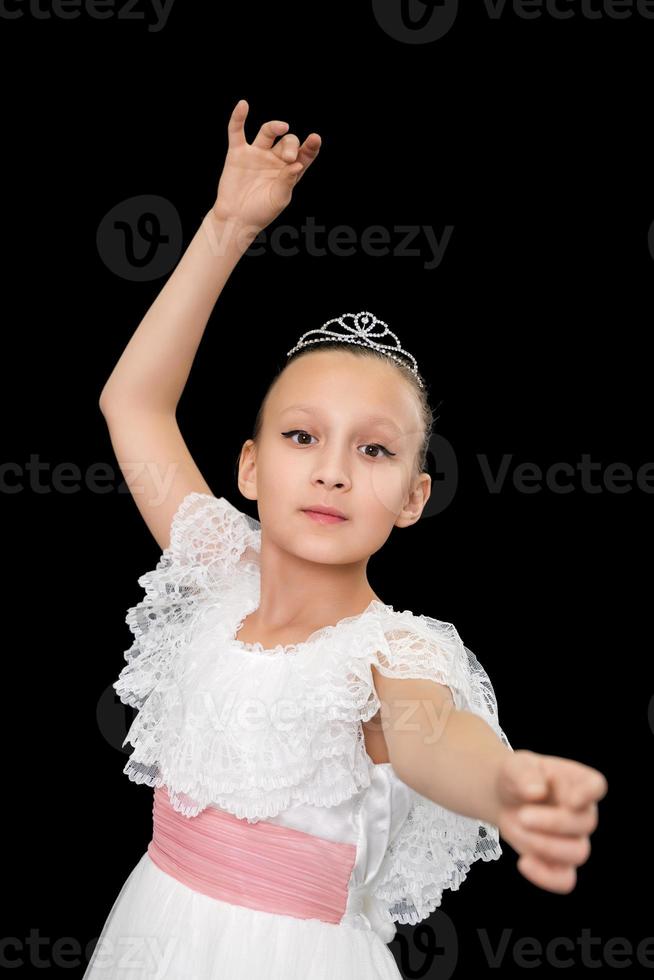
x=425, y=409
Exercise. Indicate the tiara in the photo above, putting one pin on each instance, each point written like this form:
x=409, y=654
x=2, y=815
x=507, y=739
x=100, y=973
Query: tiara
x=360, y=332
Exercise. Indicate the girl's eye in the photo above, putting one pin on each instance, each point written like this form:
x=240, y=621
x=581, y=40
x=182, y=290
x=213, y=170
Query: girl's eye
x=302, y=432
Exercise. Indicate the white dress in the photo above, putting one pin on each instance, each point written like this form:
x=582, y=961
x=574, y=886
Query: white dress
x=297, y=762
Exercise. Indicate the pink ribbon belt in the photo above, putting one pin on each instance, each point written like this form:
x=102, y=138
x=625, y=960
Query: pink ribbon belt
x=260, y=865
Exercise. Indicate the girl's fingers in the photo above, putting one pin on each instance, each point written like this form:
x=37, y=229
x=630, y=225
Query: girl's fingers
x=308, y=152
x=269, y=133
x=552, y=876
x=287, y=148
x=573, y=849
x=556, y=848
x=292, y=172
x=586, y=789
x=306, y=155
x=557, y=819
x=236, y=127
x=576, y=783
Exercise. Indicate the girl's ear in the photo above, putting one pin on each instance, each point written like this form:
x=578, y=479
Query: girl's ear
x=247, y=470
x=418, y=497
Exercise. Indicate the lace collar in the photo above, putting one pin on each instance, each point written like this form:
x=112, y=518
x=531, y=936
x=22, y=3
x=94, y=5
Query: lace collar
x=251, y=600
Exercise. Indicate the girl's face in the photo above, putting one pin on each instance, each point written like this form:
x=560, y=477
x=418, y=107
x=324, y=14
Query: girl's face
x=342, y=432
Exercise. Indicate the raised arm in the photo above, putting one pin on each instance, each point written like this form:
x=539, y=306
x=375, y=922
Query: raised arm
x=139, y=400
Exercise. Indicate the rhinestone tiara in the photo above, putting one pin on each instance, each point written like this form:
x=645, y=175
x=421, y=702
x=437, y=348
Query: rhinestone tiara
x=360, y=331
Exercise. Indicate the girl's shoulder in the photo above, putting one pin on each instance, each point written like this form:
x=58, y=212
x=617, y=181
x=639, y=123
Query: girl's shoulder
x=412, y=645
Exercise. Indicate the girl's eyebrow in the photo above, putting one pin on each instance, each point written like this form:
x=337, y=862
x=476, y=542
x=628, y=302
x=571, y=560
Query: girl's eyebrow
x=366, y=419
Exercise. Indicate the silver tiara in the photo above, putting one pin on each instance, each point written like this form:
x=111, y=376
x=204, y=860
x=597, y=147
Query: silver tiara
x=360, y=332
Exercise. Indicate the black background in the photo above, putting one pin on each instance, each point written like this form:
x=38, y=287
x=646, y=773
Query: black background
x=530, y=137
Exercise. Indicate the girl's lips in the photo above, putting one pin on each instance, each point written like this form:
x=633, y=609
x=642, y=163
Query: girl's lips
x=324, y=518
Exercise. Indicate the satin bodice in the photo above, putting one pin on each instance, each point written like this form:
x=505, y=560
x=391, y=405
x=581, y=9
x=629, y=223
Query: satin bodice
x=370, y=820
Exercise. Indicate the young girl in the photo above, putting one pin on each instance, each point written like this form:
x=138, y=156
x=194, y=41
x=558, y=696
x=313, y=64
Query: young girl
x=323, y=766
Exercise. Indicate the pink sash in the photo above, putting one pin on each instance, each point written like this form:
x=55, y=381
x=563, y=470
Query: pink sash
x=260, y=865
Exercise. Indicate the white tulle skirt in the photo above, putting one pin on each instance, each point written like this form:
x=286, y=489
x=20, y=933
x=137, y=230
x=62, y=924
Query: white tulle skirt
x=160, y=929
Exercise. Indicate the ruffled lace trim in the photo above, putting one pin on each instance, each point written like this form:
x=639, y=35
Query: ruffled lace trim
x=254, y=743
x=208, y=531
x=194, y=687
x=435, y=847
x=434, y=850
x=208, y=537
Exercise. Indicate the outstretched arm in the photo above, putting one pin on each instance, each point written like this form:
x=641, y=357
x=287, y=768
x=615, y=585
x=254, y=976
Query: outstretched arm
x=544, y=806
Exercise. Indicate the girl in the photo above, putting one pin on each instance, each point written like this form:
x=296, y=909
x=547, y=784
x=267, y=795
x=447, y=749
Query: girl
x=323, y=766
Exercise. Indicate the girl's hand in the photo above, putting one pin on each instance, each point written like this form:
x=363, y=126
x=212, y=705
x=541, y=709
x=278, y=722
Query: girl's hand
x=561, y=811
x=258, y=178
